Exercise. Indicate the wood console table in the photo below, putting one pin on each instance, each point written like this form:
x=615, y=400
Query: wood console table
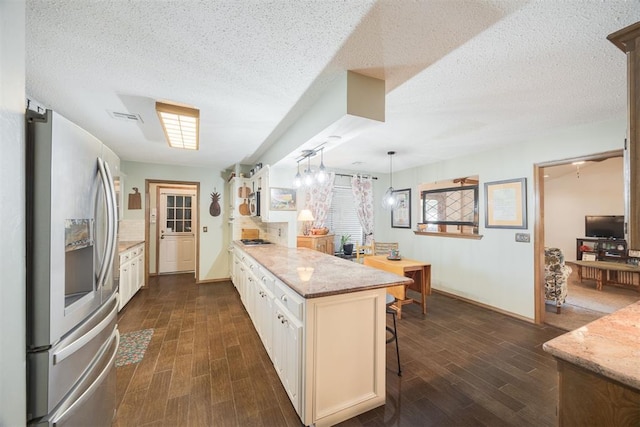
x=419, y=271
x=609, y=273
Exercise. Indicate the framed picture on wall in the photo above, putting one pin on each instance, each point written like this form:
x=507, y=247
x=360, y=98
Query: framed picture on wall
x=401, y=214
x=282, y=199
x=505, y=204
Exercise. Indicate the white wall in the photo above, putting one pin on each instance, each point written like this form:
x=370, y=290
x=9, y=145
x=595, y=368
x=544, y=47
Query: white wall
x=495, y=270
x=213, y=244
x=12, y=215
x=597, y=190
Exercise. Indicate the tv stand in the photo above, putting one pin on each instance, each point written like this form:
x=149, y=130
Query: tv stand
x=601, y=249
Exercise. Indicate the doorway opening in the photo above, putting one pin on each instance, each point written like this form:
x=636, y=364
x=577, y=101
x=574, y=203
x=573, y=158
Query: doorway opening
x=565, y=192
x=171, y=227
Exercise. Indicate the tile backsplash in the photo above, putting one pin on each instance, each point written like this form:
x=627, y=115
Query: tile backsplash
x=277, y=232
x=131, y=230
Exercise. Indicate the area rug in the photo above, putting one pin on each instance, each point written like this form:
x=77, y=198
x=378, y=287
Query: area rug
x=132, y=347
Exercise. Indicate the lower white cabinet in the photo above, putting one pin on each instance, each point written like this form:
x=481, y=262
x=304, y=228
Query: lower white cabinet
x=329, y=352
x=131, y=273
x=287, y=352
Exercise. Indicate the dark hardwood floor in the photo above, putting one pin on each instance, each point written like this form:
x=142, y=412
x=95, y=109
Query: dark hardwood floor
x=205, y=365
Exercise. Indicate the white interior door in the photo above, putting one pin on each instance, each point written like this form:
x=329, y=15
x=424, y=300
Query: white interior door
x=177, y=243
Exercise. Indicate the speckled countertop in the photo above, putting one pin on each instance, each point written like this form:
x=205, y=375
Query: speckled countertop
x=124, y=245
x=326, y=274
x=609, y=346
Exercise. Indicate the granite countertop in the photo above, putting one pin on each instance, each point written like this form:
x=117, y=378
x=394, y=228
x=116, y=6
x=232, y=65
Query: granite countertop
x=313, y=274
x=609, y=346
x=124, y=245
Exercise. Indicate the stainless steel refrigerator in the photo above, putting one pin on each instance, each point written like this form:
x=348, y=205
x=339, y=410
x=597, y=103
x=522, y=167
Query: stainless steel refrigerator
x=72, y=274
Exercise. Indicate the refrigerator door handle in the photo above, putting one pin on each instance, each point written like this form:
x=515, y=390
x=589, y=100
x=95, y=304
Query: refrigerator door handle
x=76, y=345
x=57, y=418
x=105, y=176
x=113, y=216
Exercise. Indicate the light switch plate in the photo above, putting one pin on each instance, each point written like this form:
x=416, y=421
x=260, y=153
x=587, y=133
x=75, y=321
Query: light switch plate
x=523, y=237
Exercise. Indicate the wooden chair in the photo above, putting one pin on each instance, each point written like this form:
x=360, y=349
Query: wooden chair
x=384, y=248
x=363, y=251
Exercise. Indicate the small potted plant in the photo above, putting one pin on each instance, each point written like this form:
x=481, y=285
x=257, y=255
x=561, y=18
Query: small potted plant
x=347, y=248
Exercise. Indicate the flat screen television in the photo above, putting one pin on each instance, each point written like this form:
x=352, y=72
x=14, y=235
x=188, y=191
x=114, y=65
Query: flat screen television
x=606, y=226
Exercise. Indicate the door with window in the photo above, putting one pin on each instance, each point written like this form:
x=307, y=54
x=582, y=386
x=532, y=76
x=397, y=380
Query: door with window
x=177, y=243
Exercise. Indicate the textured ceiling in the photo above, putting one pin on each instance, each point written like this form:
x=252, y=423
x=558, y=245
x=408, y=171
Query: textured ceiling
x=461, y=76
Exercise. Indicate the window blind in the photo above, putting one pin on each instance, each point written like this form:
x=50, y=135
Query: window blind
x=342, y=218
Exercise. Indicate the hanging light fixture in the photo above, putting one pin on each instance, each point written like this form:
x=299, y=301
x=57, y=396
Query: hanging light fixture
x=389, y=200
x=297, y=181
x=308, y=175
x=322, y=174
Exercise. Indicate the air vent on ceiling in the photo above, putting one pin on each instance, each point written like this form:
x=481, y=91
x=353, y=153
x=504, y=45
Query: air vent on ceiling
x=127, y=117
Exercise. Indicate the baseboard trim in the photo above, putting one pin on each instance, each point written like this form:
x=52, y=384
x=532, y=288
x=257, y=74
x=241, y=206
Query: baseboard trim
x=204, y=282
x=488, y=307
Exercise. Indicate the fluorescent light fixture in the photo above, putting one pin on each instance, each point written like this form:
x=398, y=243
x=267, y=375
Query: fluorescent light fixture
x=181, y=125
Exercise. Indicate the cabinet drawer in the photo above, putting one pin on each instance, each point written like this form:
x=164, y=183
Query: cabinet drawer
x=125, y=257
x=289, y=299
x=267, y=279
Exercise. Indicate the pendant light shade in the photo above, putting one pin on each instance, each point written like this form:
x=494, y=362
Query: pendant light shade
x=308, y=175
x=389, y=200
x=321, y=176
x=297, y=181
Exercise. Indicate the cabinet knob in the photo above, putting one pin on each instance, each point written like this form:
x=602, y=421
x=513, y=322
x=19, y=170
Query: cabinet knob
x=284, y=298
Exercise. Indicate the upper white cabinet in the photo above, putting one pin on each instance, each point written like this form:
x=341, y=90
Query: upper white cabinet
x=265, y=179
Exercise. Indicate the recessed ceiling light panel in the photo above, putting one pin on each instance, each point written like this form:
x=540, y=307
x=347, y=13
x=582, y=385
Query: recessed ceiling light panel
x=181, y=125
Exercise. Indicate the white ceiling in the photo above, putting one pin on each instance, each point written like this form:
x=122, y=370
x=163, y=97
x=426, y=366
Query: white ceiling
x=461, y=76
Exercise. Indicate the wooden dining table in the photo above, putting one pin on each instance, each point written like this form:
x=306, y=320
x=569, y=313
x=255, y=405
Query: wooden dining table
x=419, y=271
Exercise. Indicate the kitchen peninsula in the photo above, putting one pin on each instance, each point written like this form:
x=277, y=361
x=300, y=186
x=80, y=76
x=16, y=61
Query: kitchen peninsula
x=599, y=372
x=322, y=321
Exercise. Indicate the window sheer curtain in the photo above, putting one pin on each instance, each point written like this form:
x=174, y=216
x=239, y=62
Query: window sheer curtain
x=319, y=200
x=362, y=189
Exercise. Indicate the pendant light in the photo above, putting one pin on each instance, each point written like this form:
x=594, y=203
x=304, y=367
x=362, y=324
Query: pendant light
x=297, y=181
x=321, y=176
x=308, y=175
x=389, y=200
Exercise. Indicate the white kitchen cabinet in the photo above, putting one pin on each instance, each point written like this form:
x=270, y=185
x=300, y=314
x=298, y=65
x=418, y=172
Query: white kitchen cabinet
x=125, y=283
x=287, y=352
x=131, y=273
x=263, y=181
x=140, y=268
x=265, y=310
x=318, y=343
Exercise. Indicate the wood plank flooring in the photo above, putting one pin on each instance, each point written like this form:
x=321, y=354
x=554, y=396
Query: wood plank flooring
x=462, y=365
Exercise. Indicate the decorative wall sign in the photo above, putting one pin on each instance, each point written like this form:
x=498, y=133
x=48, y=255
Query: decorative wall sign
x=401, y=214
x=214, y=207
x=505, y=203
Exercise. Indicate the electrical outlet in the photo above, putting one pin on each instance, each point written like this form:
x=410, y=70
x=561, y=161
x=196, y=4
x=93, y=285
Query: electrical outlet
x=523, y=237
x=635, y=253
x=204, y=229
x=279, y=232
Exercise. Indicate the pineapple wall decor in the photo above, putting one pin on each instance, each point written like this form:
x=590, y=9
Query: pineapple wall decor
x=214, y=208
